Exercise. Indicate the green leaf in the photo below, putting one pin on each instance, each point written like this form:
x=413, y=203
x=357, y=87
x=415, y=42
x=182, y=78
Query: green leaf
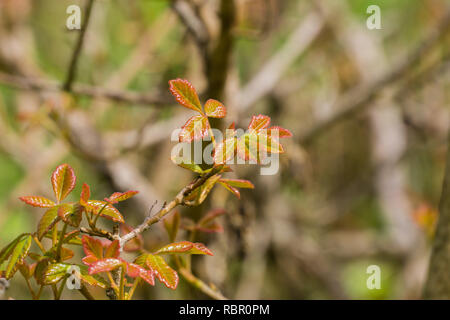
x=36, y=201
x=199, y=195
x=112, y=251
x=63, y=181
x=162, y=270
x=215, y=109
x=53, y=273
x=7, y=251
x=92, y=247
x=93, y=280
x=184, y=247
x=19, y=252
x=238, y=183
x=48, y=220
x=195, y=128
x=185, y=94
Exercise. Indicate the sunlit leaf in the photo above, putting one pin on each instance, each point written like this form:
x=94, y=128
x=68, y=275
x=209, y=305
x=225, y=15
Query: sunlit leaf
x=112, y=251
x=17, y=255
x=247, y=147
x=184, y=247
x=7, y=251
x=92, y=246
x=162, y=271
x=85, y=194
x=185, y=94
x=233, y=190
x=198, y=195
x=36, y=201
x=215, y=109
x=93, y=280
x=105, y=265
x=63, y=181
x=134, y=271
x=195, y=128
x=106, y=210
x=47, y=221
x=120, y=196
x=279, y=131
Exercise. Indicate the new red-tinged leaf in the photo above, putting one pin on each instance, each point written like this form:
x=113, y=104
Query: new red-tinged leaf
x=279, y=132
x=36, y=201
x=120, y=196
x=134, y=271
x=215, y=109
x=70, y=213
x=113, y=250
x=184, y=247
x=162, y=270
x=233, y=190
x=185, y=94
x=63, y=181
x=92, y=246
x=93, y=280
x=85, y=194
x=105, y=265
x=195, y=128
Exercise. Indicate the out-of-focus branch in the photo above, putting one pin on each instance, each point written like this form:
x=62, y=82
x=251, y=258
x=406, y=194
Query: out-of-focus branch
x=77, y=51
x=41, y=85
x=269, y=75
x=358, y=98
x=200, y=285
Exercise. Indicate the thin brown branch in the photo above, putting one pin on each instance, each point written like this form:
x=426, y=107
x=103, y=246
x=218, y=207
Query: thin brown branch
x=41, y=85
x=71, y=74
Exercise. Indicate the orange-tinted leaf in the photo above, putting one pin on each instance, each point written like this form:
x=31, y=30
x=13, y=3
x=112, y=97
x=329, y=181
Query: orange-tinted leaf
x=93, y=280
x=134, y=244
x=70, y=213
x=184, y=247
x=215, y=109
x=63, y=181
x=195, y=128
x=172, y=225
x=47, y=221
x=270, y=144
x=163, y=272
x=105, y=265
x=66, y=254
x=27, y=270
x=120, y=196
x=112, y=251
x=38, y=201
x=279, y=131
x=185, y=94
x=108, y=211
x=233, y=190
x=259, y=122
x=92, y=246
x=90, y=259
x=207, y=223
x=247, y=147
x=225, y=151
x=238, y=183
x=199, y=194
x=85, y=194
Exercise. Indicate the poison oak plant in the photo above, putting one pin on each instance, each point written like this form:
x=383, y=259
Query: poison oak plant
x=69, y=224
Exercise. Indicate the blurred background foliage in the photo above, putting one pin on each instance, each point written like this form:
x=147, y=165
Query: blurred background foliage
x=363, y=191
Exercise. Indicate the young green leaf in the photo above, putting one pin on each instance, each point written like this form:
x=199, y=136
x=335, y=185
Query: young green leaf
x=53, y=273
x=199, y=195
x=238, y=183
x=63, y=181
x=233, y=190
x=195, y=128
x=92, y=247
x=215, y=109
x=7, y=251
x=48, y=220
x=163, y=272
x=185, y=94
x=36, y=201
x=93, y=280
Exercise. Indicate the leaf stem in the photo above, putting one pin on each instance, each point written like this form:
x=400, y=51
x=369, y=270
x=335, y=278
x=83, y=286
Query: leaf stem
x=122, y=283
x=61, y=240
x=133, y=288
